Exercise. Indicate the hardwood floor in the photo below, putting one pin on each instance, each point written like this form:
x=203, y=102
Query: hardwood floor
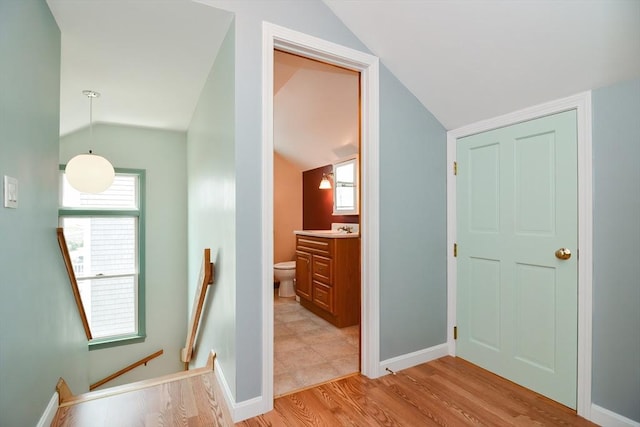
x=194, y=401
x=445, y=392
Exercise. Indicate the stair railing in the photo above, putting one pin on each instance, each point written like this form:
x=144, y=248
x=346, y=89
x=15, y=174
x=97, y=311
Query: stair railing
x=124, y=370
x=62, y=242
x=205, y=279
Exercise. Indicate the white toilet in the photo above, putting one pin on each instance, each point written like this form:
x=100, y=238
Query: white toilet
x=285, y=272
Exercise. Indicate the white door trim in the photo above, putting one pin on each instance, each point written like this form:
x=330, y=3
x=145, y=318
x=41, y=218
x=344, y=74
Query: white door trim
x=582, y=104
x=274, y=36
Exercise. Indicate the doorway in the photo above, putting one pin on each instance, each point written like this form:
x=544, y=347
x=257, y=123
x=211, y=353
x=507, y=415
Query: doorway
x=581, y=104
x=312, y=47
x=316, y=126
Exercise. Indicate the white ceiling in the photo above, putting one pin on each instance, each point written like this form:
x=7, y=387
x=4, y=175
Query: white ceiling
x=468, y=60
x=149, y=59
x=465, y=60
x=315, y=111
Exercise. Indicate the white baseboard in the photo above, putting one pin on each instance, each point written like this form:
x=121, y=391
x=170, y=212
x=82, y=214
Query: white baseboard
x=607, y=418
x=50, y=412
x=242, y=410
x=412, y=359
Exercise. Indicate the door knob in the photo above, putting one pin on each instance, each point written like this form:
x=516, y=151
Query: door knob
x=563, y=253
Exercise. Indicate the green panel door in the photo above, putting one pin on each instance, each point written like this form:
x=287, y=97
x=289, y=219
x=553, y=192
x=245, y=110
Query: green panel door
x=516, y=300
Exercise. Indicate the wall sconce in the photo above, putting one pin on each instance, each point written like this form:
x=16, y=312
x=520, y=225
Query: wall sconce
x=325, y=183
x=90, y=173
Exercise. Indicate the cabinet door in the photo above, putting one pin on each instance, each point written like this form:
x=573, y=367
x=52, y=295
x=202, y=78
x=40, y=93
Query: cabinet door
x=303, y=275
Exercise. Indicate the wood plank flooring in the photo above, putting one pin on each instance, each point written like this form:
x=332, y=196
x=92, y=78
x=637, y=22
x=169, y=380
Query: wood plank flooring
x=445, y=392
x=194, y=401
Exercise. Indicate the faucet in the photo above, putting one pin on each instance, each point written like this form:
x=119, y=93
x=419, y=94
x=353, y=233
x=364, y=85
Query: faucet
x=346, y=229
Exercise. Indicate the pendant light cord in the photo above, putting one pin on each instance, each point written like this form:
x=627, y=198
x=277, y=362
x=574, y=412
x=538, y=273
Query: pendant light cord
x=90, y=94
x=90, y=123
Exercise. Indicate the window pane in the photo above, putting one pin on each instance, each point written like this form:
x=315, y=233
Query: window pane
x=346, y=172
x=110, y=305
x=101, y=245
x=121, y=195
x=345, y=198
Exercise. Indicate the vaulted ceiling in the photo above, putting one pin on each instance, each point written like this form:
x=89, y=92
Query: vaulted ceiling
x=464, y=60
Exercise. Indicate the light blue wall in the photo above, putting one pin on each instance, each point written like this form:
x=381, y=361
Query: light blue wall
x=413, y=255
x=162, y=154
x=315, y=18
x=616, y=248
x=41, y=336
x=212, y=210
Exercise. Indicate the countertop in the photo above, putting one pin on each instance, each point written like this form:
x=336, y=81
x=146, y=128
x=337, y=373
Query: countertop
x=331, y=234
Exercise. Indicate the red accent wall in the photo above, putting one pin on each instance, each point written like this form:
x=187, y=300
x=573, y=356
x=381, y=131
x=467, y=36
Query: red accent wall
x=317, y=204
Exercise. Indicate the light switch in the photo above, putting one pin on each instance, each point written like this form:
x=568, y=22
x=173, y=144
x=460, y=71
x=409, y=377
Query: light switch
x=10, y=192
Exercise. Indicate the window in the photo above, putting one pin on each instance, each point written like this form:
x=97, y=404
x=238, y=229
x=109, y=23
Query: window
x=104, y=234
x=345, y=192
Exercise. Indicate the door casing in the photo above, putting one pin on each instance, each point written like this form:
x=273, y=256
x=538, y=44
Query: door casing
x=582, y=104
x=274, y=36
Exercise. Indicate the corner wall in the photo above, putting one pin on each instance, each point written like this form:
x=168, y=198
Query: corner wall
x=42, y=337
x=317, y=204
x=616, y=243
x=211, y=173
x=162, y=153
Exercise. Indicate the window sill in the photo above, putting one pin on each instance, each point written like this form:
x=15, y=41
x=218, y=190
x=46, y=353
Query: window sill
x=101, y=343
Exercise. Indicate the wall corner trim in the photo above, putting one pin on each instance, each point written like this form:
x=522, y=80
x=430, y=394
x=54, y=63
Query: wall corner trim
x=409, y=360
x=50, y=412
x=607, y=418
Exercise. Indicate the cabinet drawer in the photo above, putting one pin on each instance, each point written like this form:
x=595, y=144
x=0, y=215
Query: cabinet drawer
x=322, y=269
x=323, y=296
x=315, y=245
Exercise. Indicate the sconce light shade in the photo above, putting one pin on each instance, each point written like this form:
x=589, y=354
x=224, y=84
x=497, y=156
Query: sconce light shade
x=89, y=173
x=325, y=184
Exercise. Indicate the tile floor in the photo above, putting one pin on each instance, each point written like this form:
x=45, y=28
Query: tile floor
x=309, y=350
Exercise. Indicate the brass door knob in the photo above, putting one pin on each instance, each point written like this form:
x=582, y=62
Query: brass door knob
x=563, y=253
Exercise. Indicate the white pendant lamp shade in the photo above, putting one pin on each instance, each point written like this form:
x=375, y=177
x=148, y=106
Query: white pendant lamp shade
x=89, y=173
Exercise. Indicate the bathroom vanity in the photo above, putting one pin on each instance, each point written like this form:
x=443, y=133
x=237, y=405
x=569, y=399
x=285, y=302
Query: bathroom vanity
x=328, y=275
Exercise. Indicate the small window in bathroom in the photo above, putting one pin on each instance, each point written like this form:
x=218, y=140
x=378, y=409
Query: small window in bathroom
x=345, y=191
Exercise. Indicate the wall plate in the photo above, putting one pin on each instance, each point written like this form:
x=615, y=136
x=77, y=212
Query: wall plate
x=10, y=192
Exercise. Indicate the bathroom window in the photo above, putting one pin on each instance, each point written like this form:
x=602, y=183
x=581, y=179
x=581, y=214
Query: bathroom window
x=345, y=191
x=104, y=234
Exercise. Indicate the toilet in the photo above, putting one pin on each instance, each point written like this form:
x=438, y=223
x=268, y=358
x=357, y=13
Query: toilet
x=285, y=273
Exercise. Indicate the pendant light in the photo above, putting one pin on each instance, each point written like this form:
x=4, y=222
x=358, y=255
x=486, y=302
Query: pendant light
x=90, y=173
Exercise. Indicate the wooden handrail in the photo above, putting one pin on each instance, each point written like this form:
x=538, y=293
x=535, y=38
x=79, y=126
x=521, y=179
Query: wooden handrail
x=206, y=278
x=122, y=371
x=62, y=242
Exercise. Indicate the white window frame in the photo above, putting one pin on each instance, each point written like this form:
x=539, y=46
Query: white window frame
x=356, y=184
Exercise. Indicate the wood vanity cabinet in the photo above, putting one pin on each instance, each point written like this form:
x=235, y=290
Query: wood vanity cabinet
x=328, y=277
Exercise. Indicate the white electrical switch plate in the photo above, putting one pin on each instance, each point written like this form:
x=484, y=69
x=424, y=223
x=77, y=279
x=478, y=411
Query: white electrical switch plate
x=10, y=192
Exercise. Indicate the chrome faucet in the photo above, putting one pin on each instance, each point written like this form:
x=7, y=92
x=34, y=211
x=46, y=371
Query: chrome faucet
x=346, y=229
